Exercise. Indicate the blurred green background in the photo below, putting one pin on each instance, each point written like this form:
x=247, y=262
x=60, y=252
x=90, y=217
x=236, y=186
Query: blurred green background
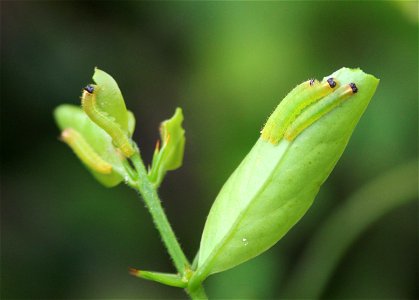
x=227, y=64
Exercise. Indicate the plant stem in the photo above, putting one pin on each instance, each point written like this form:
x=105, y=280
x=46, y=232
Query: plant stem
x=153, y=203
x=198, y=293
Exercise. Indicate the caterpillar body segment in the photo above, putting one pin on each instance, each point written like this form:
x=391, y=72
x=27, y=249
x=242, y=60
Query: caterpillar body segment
x=315, y=112
x=85, y=152
x=119, y=137
x=293, y=104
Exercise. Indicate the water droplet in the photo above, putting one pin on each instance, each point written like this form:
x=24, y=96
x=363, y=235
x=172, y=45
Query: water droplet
x=245, y=241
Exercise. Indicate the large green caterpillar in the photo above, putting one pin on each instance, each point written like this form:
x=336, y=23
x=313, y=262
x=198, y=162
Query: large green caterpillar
x=85, y=152
x=293, y=104
x=119, y=137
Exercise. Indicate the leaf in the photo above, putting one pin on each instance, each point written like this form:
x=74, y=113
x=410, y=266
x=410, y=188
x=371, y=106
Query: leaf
x=70, y=116
x=131, y=123
x=120, y=138
x=276, y=183
x=109, y=98
x=164, y=278
x=170, y=156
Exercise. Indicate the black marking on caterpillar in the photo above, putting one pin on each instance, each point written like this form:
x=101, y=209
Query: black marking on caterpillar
x=119, y=138
x=319, y=109
x=294, y=103
x=89, y=88
x=353, y=87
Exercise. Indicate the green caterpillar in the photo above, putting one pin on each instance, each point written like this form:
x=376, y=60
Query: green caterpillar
x=119, y=138
x=288, y=110
x=85, y=152
x=315, y=112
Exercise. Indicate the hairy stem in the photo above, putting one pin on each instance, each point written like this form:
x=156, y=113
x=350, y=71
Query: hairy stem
x=152, y=201
x=149, y=194
x=198, y=293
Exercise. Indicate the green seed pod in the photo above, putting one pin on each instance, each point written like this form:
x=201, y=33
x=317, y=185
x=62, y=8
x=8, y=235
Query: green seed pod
x=278, y=180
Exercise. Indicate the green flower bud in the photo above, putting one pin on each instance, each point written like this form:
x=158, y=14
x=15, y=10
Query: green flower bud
x=170, y=156
x=278, y=180
x=91, y=144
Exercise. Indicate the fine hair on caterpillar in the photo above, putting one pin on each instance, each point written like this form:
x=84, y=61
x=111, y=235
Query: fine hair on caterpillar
x=293, y=104
x=314, y=112
x=85, y=152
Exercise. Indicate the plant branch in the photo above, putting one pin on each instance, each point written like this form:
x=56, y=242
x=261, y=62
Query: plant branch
x=152, y=201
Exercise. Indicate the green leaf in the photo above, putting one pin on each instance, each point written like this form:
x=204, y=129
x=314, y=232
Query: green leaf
x=119, y=137
x=170, y=156
x=70, y=116
x=109, y=98
x=104, y=105
x=164, y=278
x=277, y=182
x=131, y=123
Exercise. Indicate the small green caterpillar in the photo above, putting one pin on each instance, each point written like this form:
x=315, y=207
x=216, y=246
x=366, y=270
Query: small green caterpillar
x=315, y=112
x=291, y=107
x=85, y=152
x=119, y=138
